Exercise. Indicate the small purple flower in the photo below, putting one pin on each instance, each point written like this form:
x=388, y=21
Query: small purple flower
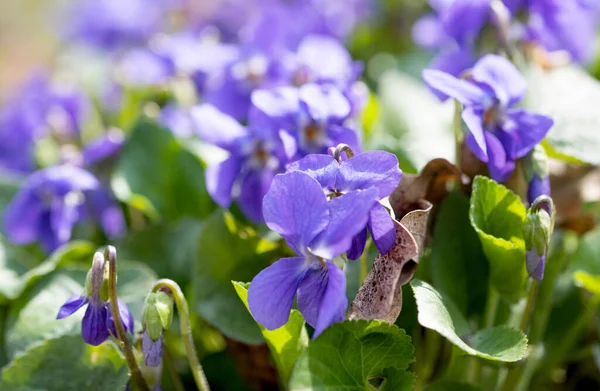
x=565, y=25
x=374, y=169
x=152, y=350
x=537, y=187
x=499, y=134
x=313, y=114
x=318, y=230
x=97, y=324
x=52, y=201
x=256, y=155
x=104, y=147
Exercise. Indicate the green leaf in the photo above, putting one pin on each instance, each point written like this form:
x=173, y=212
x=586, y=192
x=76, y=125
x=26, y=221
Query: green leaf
x=17, y=272
x=351, y=354
x=497, y=215
x=285, y=343
x=410, y=116
x=458, y=264
x=33, y=317
x=587, y=254
x=450, y=386
x=438, y=313
x=228, y=252
x=66, y=364
x=169, y=248
x=587, y=282
x=568, y=95
x=158, y=173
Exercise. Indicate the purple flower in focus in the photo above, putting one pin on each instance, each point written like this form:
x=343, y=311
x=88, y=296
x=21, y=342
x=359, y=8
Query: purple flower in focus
x=375, y=169
x=318, y=230
x=256, y=155
x=97, y=324
x=565, y=25
x=50, y=203
x=40, y=108
x=313, y=114
x=499, y=134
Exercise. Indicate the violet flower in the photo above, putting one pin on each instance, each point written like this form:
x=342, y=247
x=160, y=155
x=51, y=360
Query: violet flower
x=374, y=169
x=256, y=155
x=97, y=324
x=499, y=133
x=50, y=203
x=318, y=230
x=314, y=114
x=152, y=350
x=538, y=186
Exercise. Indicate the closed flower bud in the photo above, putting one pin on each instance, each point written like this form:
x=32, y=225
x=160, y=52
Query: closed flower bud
x=158, y=314
x=537, y=229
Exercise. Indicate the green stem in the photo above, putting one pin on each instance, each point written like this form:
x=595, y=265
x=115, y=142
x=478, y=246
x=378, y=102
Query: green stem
x=457, y=125
x=110, y=254
x=491, y=308
x=432, y=341
x=168, y=359
x=364, y=262
x=186, y=330
x=533, y=290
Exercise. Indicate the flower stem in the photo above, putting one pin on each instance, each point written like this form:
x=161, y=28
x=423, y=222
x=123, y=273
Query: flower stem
x=364, y=262
x=531, y=297
x=186, y=330
x=168, y=359
x=110, y=254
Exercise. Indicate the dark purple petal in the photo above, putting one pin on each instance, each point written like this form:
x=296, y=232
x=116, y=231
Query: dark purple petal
x=72, y=304
x=381, y=226
x=465, y=92
x=252, y=192
x=63, y=216
x=271, y=293
x=124, y=314
x=528, y=129
x=107, y=212
x=537, y=187
x=535, y=264
x=370, y=169
x=105, y=146
x=93, y=326
x=322, y=296
x=296, y=208
x=347, y=217
x=220, y=179
x=464, y=19
x=21, y=216
x=476, y=137
x=215, y=127
x=499, y=165
x=323, y=168
x=152, y=350
x=358, y=245
x=502, y=77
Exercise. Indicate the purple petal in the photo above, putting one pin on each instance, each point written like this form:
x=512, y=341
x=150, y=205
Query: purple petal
x=502, y=77
x=370, y=169
x=465, y=92
x=252, y=192
x=72, y=304
x=381, y=226
x=453, y=62
x=276, y=103
x=464, y=19
x=323, y=168
x=103, y=147
x=428, y=32
x=324, y=102
x=322, y=296
x=126, y=318
x=152, y=350
x=528, y=129
x=271, y=293
x=325, y=56
x=498, y=163
x=348, y=215
x=358, y=245
x=63, y=216
x=220, y=179
x=21, y=216
x=296, y=208
x=93, y=326
x=535, y=264
x=476, y=137
x=538, y=187
x=108, y=213
x=338, y=134
x=215, y=127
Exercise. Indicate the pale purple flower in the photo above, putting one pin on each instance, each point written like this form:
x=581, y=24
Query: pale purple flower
x=499, y=133
x=152, y=350
x=318, y=230
x=374, y=169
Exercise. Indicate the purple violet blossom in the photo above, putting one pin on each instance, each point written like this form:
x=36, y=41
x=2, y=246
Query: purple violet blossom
x=256, y=155
x=50, y=203
x=499, y=134
x=313, y=114
x=97, y=324
x=318, y=230
x=374, y=169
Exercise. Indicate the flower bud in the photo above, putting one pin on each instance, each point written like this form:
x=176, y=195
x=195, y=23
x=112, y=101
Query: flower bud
x=537, y=229
x=96, y=282
x=158, y=314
